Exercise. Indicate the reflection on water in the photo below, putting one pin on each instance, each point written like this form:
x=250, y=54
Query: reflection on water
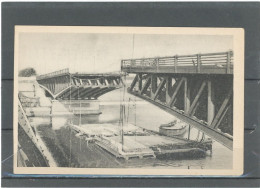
x=70, y=150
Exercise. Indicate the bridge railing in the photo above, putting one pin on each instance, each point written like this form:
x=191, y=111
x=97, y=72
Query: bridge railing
x=222, y=60
x=53, y=74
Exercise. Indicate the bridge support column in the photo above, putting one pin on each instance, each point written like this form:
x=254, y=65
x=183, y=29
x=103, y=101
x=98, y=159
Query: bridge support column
x=186, y=96
x=140, y=82
x=168, y=89
x=211, y=102
x=153, y=85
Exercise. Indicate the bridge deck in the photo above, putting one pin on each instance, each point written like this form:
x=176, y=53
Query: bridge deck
x=211, y=63
x=65, y=72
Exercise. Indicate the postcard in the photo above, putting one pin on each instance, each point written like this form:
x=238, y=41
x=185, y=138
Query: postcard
x=155, y=101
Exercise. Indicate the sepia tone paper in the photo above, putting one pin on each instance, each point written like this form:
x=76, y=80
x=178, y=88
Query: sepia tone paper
x=100, y=50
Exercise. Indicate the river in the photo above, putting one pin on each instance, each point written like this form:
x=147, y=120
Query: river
x=69, y=150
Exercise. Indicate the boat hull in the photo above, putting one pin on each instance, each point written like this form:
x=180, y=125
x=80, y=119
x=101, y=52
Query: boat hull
x=172, y=132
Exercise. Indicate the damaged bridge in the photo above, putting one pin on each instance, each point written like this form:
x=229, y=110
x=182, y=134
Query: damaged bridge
x=63, y=85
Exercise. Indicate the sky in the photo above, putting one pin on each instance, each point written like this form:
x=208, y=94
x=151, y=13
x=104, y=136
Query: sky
x=97, y=52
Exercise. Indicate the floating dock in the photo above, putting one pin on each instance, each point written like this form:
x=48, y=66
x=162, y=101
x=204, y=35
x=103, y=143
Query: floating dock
x=139, y=143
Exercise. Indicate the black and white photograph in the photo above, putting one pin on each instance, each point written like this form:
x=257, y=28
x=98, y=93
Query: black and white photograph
x=128, y=100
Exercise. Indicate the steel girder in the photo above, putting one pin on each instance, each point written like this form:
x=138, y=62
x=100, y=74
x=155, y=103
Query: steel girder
x=203, y=101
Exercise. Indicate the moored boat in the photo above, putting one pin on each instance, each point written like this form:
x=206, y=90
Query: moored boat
x=174, y=128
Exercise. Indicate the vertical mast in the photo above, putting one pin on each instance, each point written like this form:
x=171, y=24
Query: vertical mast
x=79, y=108
x=122, y=111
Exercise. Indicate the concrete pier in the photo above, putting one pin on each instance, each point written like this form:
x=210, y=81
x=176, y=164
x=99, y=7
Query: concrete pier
x=82, y=107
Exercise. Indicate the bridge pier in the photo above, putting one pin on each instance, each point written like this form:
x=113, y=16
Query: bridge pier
x=82, y=107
